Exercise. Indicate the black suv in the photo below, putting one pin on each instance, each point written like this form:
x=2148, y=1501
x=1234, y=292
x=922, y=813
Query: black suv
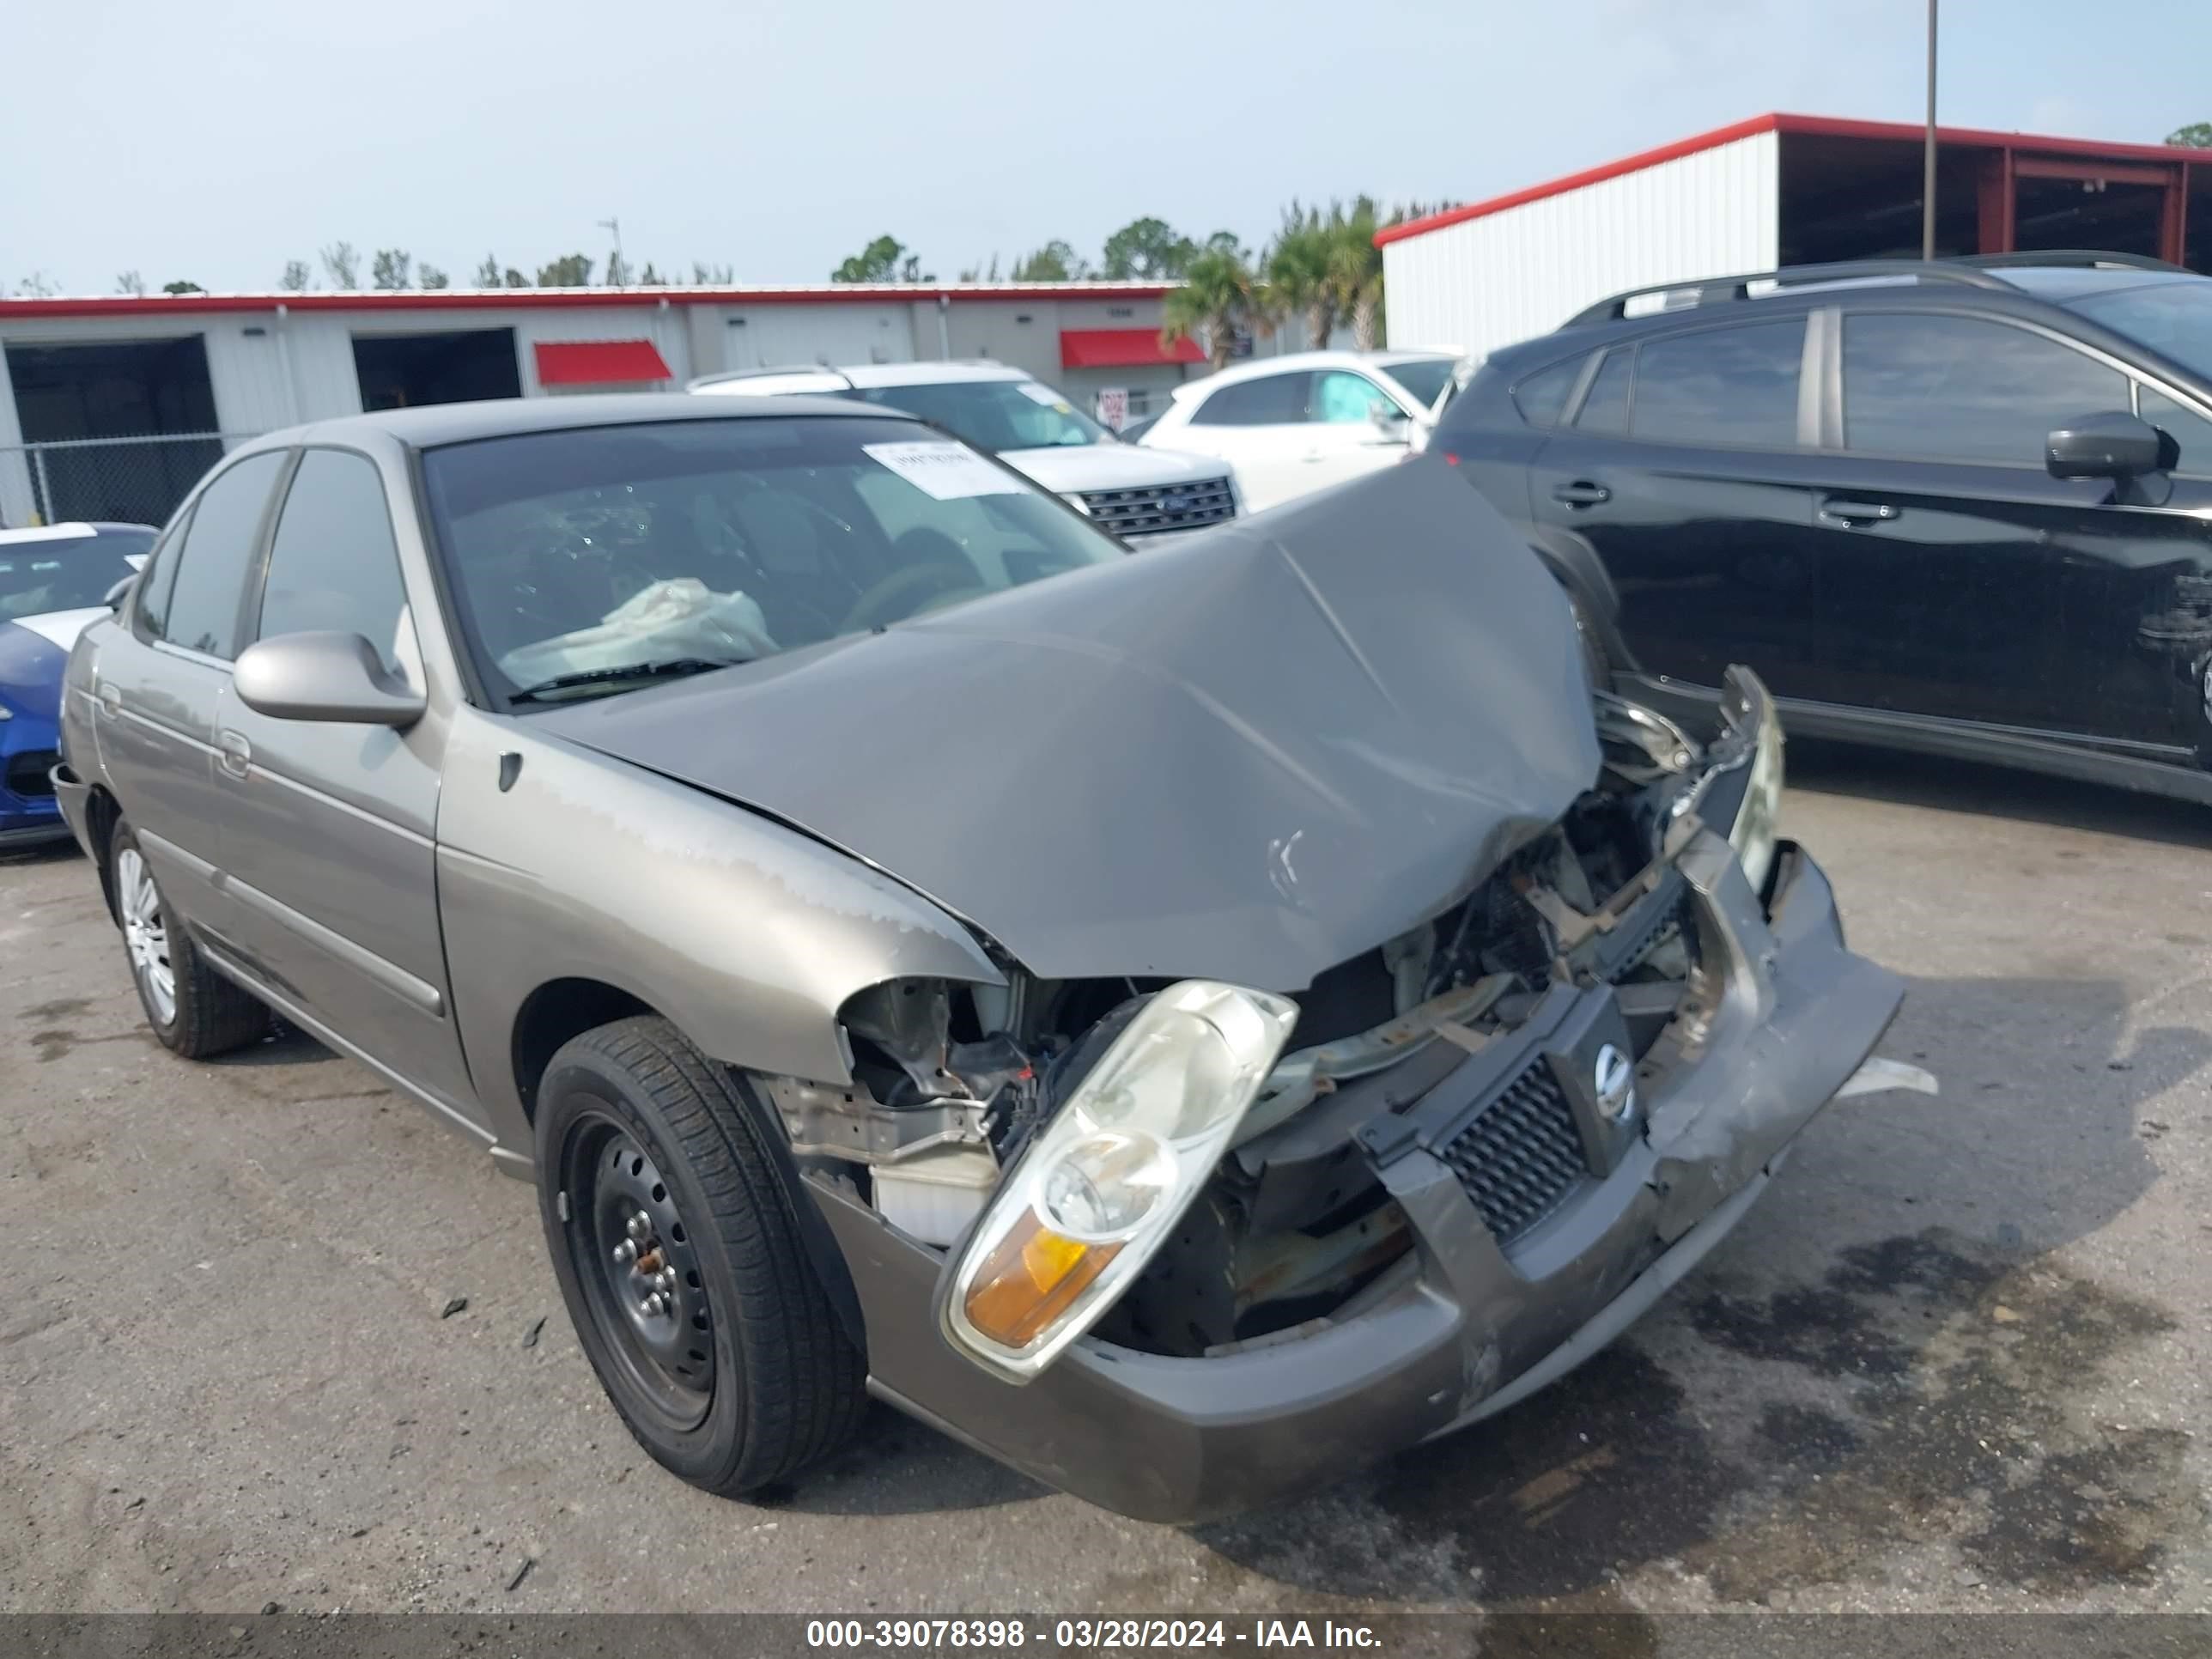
x=1960, y=506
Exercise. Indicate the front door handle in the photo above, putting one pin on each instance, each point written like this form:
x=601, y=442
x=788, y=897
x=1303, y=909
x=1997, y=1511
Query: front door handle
x=1857, y=512
x=111, y=699
x=1581, y=493
x=237, y=753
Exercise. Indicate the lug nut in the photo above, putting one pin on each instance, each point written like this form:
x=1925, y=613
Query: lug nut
x=625, y=1252
x=651, y=1305
x=666, y=1282
x=640, y=1225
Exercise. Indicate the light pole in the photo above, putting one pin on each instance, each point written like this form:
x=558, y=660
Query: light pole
x=1928, y=161
x=613, y=227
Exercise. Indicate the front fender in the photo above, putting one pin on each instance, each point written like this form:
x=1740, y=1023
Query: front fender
x=747, y=935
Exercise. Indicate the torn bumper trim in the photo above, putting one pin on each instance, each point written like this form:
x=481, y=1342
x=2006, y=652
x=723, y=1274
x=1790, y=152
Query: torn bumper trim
x=1460, y=1322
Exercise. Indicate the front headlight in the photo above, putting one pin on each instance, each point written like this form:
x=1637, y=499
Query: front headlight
x=1106, y=1180
x=1756, y=820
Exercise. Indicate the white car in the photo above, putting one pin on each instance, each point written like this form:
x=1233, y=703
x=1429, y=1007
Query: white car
x=1307, y=419
x=1131, y=492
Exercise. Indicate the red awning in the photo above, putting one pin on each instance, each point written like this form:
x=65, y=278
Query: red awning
x=598, y=363
x=1123, y=348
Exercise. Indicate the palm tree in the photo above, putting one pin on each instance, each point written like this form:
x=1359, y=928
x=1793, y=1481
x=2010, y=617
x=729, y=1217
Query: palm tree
x=1355, y=271
x=1220, y=294
x=1298, y=268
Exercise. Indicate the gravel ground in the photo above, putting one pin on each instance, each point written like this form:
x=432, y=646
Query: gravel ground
x=1956, y=1360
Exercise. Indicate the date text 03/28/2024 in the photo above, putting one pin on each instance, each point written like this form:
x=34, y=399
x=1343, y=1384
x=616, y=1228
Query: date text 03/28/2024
x=891, y=1634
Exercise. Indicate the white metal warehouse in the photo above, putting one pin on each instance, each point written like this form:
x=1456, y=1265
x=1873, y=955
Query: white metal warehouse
x=1772, y=190
x=111, y=408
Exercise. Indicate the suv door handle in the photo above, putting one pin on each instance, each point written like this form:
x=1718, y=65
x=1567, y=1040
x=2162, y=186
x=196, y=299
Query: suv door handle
x=1581, y=493
x=237, y=753
x=1857, y=512
x=111, y=699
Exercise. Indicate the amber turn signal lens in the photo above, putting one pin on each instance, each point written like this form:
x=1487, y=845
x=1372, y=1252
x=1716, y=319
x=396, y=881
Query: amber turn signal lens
x=1029, y=1279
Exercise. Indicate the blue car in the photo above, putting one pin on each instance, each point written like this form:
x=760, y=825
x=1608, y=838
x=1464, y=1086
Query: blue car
x=54, y=580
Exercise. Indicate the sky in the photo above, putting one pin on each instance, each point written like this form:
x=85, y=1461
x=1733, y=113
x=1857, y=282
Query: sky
x=213, y=141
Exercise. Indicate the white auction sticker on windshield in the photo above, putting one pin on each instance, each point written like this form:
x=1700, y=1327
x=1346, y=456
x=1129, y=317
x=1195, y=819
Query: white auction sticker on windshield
x=1042, y=394
x=946, y=471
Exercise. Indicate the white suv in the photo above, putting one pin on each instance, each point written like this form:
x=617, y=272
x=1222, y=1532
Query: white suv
x=1131, y=492
x=1297, y=422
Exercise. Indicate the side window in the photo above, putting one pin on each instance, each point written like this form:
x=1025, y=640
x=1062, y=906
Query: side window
x=2188, y=429
x=1961, y=388
x=1541, y=396
x=1722, y=385
x=158, y=579
x=216, y=554
x=1606, y=407
x=1270, y=400
x=1341, y=398
x=334, y=564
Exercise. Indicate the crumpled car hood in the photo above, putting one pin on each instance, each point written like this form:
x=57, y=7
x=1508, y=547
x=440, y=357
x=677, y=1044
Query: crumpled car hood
x=1250, y=755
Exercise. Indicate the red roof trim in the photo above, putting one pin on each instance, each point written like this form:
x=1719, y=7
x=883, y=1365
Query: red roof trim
x=1812, y=125
x=522, y=299
x=598, y=363
x=1123, y=348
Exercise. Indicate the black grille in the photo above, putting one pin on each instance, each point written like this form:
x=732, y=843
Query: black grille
x=27, y=774
x=1522, y=1157
x=1154, y=508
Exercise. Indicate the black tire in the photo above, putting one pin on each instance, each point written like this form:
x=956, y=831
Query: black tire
x=759, y=1379
x=209, y=1014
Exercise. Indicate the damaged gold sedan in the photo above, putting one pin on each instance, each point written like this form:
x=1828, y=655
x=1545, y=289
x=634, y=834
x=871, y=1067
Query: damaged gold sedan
x=1188, y=1023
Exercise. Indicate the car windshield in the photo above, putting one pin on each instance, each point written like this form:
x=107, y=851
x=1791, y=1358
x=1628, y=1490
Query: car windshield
x=1425, y=377
x=601, y=557
x=72, y=572
x=2173, y=318
x=994, y=414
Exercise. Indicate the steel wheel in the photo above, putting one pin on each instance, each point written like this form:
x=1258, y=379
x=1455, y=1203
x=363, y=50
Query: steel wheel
x=146, y=934
x=635, y=1260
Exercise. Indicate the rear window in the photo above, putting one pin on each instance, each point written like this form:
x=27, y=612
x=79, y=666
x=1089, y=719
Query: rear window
x=1543, y=395
x=1271, y=400
x=1425, y=377
x=40, y=574
x=1723, y=385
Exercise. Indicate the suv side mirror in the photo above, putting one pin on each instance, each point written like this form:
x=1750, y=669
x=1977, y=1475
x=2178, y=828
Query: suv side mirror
x=323, y=676
x=119, y=593
x=2113, y=444
x=1393, y=423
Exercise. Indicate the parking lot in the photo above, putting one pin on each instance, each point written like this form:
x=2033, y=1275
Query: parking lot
x=1956, y=1359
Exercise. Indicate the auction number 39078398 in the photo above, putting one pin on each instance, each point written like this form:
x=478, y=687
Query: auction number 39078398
x=1084, y=1633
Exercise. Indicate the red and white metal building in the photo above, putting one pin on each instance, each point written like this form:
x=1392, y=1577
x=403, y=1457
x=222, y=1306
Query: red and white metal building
x=110, y=406
x=1772, y=190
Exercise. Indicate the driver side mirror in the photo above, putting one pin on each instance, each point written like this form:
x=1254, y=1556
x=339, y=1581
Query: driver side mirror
x=119, y=593
x=2114, y=445
x=323, y=676
x=1391, y=422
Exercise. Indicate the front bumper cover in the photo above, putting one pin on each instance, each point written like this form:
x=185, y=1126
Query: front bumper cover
x=1456, y=1330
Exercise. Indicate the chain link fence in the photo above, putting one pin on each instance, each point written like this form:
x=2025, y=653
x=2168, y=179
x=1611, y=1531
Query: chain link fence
x=135, y=480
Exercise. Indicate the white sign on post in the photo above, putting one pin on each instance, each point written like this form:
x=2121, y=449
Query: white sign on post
x=1114, y=406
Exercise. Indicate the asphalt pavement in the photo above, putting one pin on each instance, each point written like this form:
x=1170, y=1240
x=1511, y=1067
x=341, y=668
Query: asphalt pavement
x=270, y=1336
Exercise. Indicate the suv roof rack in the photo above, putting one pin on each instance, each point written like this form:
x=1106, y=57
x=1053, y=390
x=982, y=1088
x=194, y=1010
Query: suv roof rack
x=729, y=374
x=2073, y=257
x=1716, y=290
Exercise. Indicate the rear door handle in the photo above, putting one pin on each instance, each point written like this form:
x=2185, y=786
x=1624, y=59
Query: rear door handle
x=1857, y=512
x=237, y=753
x=111, y=699
x=1581, y=493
